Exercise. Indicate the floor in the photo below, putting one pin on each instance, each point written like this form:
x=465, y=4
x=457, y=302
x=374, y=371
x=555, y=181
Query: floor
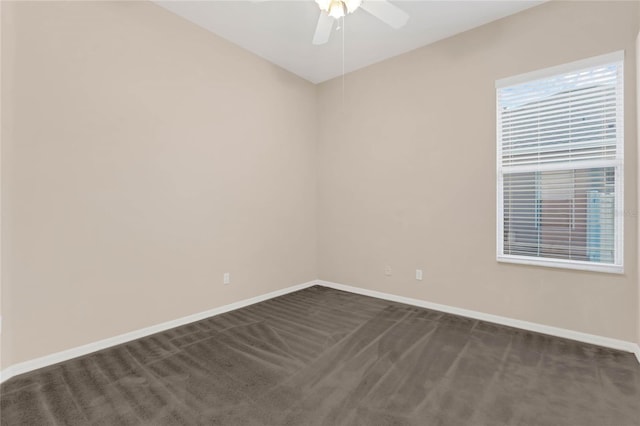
x=326, y=357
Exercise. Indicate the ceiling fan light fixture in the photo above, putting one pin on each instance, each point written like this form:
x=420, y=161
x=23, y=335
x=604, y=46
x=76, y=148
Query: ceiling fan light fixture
x=333, y=10
x=337, y=9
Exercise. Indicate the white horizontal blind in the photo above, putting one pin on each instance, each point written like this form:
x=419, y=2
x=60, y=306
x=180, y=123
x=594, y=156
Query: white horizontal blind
x=560, y=151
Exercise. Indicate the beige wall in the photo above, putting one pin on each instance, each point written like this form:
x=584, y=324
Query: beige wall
x=142, y=158
x=408, y=172
x=637, y=212
x=1, y=281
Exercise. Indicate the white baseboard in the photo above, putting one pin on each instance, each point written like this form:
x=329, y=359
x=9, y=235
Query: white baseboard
x=65, y=355
x=34, y=364
x=526, y=325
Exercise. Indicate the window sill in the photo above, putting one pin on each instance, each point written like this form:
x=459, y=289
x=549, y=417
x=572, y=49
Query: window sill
x=564, y=264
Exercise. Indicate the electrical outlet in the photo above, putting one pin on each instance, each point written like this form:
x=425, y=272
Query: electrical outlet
x=419, y=274
x=226, y=279
x=387, y=270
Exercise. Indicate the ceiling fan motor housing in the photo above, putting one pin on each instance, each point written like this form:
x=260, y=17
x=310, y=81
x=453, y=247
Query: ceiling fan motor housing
x=333, y=10
x=338, y=8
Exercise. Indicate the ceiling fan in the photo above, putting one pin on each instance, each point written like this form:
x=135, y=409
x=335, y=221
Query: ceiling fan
x=332, y=10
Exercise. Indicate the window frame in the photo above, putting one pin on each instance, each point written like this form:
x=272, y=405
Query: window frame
x=618, y=266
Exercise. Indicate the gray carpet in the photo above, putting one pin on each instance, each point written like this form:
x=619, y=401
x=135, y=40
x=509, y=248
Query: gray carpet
x=326, y=357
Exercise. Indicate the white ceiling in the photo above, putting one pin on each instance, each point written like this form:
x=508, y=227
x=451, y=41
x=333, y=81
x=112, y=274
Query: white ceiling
x=281, y=31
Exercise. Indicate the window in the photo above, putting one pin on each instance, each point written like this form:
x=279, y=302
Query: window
x=560, y=159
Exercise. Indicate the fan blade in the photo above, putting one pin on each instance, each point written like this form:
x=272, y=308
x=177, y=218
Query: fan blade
x=323, y=30
x=386, y=12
